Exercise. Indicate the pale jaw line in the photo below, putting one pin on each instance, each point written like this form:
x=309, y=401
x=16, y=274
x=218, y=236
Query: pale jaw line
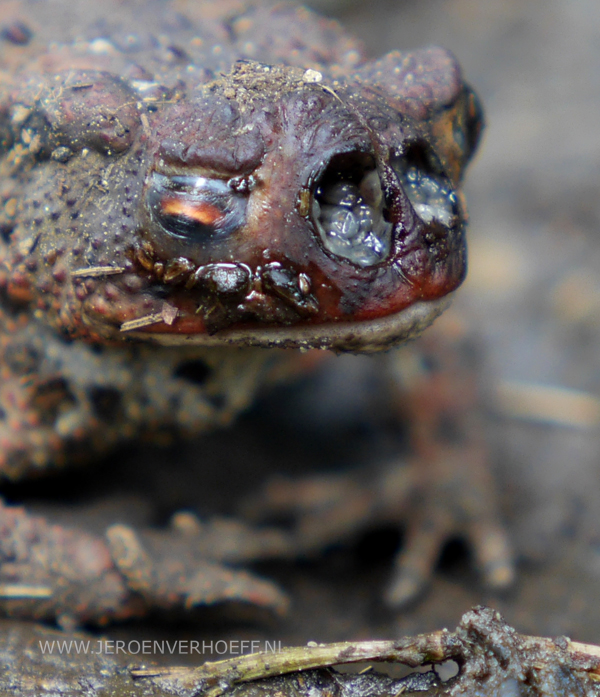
x=359, y=337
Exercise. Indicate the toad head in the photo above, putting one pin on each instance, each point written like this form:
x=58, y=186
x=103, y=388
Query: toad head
x=273, y=206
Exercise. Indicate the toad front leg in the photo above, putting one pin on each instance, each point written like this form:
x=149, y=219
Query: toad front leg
x=450, y=491
x=444, y=490
x=62, y=401
x=65, y=574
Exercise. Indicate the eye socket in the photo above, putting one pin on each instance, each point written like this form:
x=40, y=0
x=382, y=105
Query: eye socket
x=349, y=210
x=427, y=187
x=195, y=208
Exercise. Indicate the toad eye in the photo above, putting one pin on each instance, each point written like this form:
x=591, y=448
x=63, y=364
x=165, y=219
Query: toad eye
x=428, y=189
x=349, y=211
x=195, y=208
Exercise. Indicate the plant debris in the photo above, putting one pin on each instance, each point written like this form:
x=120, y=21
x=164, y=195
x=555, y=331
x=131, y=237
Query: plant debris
x=493, y=660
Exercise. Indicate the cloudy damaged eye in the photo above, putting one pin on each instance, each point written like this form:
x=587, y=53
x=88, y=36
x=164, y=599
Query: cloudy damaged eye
x=350, y=213
x=195, y=208
x=428, y=189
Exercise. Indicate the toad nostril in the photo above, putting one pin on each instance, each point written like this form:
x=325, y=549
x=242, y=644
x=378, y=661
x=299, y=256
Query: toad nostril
x=196, y=371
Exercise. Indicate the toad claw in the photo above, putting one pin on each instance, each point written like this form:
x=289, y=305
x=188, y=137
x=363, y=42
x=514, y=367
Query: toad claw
x=415, y=566
x=167, y=571
x=448, y=511
x=495, y=558
x=431, y=500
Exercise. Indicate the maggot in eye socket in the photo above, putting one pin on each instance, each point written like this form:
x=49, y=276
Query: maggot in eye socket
x=195, y=208
x=349, y=213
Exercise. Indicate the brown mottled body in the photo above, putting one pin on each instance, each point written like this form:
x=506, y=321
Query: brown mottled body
x=181, y=186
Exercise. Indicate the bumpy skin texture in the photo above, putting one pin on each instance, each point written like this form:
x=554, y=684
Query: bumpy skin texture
x=167, y=184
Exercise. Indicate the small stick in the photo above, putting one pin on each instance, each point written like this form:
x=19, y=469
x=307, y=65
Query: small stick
x=214, y=678
x=97, y=271
x=19, y=590
x=142, y=322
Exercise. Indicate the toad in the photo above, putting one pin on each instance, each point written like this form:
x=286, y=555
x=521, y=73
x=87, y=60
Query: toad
x=192, y=194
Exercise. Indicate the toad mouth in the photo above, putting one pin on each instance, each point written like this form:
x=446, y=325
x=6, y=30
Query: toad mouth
x=365, y=336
